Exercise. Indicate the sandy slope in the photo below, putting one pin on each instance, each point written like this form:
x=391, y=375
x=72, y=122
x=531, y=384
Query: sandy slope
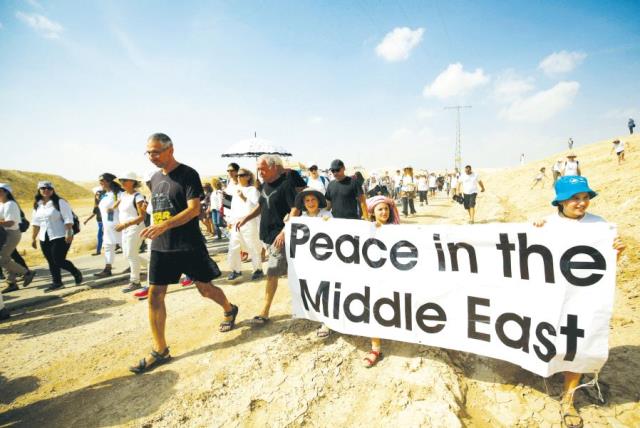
x=65, y=364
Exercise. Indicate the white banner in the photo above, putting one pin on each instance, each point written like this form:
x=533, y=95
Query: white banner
x=537, y=297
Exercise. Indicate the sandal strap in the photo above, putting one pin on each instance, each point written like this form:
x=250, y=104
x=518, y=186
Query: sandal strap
x=232, y=312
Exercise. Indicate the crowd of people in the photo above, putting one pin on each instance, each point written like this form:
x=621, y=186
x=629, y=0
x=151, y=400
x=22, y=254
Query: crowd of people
x=251, y=214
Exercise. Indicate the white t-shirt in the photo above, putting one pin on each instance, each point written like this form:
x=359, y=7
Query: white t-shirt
x=408, y=184
x=320, y=184
x=322, y=213
x=9, y=211
x=469, y=183
x=216, y=200
x=51, y=221
x=422, y=184
x=558, y=166
x=570, y=168
x=240, y=208
x=128, y=210
x=397, y=179
x=433, y=181
x=587, y=218
x=454, y=182
x=619, y=147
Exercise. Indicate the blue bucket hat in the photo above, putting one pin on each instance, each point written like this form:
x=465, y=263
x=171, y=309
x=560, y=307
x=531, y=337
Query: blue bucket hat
x=569, y=185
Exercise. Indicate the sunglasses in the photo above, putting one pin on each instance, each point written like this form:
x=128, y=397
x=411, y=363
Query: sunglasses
x=243, y=175
x=46, y=188
x=231, y=170
x=335, y=170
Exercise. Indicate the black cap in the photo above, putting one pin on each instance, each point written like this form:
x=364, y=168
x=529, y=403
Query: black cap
x=336, y=164
x=107, y=177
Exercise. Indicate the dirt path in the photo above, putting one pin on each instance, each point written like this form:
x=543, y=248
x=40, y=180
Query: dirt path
x=65, y=365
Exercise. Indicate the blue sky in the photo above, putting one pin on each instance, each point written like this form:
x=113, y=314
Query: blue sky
x=82, y=84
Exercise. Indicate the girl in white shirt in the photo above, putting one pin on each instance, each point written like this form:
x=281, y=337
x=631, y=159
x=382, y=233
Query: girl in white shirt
x=571, y=166
x=573, y=196
x=245, y=199
x=107, y=205
x=10, y=220
x=52, y=225
x=131, y=213
x=215, y=207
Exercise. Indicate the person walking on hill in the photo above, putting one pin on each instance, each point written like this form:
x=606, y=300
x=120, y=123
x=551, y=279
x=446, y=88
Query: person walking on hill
x=570, y=143
x=433, y=184
x=98, y=193
x=571, y=166
x=631, y=124
x=573, y=196
x=618, y=146
x=10, y=219
x=52, y=224
x=244, y=201
x=557, y=170
x=344, y=194
x=131, y=214
x=539, y=178
x=276, y=205
x=177, y=245
x=468, y=187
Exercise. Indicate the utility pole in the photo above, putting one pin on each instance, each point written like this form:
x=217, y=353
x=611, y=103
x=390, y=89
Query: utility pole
x=458, y=154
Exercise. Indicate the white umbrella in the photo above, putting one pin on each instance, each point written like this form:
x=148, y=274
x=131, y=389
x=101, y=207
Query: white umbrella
x=253, y=148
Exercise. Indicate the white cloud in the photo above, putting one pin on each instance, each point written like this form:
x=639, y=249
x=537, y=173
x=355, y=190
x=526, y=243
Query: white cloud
x=509, y=86
x=561, y=62
x=542, y=105
x=35, y=4
x=455, y=81
x=425, y=113
x=398, y=44
x=316, y=120
x=42, y=24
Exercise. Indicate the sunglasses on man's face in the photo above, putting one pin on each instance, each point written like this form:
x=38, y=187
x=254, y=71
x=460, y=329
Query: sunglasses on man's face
x=335, y=170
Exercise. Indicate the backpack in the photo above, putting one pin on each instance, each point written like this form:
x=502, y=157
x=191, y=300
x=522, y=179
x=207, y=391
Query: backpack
x=24, y=223
x=76, y=224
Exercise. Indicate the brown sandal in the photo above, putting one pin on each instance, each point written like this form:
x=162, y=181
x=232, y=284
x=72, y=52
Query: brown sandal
x=226, y=326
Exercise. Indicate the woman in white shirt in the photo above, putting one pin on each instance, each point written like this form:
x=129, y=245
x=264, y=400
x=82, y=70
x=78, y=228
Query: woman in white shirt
x=408, y=192
x=52, y=225
x=131, y=213
x=571, y=166
x=10, y=220
x=245, y=199
x=573, y=196
x=107, y=205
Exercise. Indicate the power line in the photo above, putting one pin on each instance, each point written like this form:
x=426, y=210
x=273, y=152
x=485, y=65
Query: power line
x=458, y=153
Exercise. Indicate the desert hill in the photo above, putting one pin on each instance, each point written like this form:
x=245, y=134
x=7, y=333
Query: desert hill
x=24, y=184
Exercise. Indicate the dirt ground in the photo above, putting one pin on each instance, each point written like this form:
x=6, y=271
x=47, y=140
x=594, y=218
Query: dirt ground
x=65, y=364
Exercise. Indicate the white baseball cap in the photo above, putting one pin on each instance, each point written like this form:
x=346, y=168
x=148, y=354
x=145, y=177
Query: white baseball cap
x=45, y=184
x=6, y=187
x=129, y=176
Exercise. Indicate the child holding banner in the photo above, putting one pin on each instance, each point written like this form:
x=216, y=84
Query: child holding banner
x=382, y=210
x=573, y=195
x=312, y=203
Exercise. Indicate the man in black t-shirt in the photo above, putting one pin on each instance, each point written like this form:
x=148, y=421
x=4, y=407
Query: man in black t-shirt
x=177, y=244
x=344, y=194
x=277, y=202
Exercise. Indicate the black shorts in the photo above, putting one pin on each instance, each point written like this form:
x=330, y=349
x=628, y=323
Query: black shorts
x=469, y=200
x=620, y=153
x=166, y=268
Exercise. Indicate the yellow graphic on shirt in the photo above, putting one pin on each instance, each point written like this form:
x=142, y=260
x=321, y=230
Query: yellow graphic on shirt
x=161, y=216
